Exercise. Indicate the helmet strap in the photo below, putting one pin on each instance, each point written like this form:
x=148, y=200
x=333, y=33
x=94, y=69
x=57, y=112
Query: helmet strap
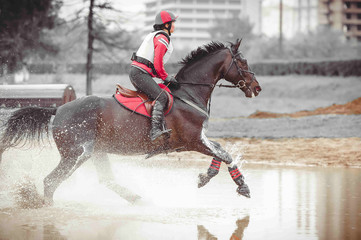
x=169, y=28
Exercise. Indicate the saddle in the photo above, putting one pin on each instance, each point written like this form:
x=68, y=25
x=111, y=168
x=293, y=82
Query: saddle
x=139, y=102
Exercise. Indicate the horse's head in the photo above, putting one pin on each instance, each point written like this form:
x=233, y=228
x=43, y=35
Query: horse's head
x=237, y=71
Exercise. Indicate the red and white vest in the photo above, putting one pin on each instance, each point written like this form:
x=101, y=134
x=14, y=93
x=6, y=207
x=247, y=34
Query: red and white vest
x=155, y=49
x=146, y=49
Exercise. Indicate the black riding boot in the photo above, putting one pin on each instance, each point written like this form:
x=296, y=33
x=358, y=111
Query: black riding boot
x=157, y=122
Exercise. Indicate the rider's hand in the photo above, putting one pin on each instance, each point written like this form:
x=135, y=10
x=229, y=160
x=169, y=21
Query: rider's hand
x=172, y=82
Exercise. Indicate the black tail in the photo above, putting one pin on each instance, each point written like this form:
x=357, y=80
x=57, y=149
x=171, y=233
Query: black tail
x=26, y=124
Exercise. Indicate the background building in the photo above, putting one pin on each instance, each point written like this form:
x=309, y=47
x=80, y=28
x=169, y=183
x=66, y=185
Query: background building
x=344, y=15
x=196, y=16
x=299, y=16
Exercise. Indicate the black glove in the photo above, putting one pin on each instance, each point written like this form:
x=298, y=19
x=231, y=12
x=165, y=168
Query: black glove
x=173, y=83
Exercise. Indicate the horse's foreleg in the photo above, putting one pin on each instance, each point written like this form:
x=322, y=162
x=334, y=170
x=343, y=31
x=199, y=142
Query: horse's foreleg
x=220, y=155
x=213, y=170
x=238, y=178
x=106, y=177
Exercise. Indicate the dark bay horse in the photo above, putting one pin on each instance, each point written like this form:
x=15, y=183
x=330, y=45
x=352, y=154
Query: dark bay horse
x=92, y=126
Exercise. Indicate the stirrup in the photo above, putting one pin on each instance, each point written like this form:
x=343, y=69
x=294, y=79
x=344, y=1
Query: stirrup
x=159, y=133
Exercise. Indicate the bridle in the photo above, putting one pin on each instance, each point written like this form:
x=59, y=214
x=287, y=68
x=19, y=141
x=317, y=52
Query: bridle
x=241, y=83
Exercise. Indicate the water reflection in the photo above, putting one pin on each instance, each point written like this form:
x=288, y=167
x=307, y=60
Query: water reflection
x=339, y=205
x=316, y=203
x=119, y=229
x=50, y=232
x=242, y=224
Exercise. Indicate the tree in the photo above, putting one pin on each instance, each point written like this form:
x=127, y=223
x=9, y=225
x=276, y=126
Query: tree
x=230, y=29
x=98, y=32
x=323, y=43
x=89, y=61
x=23, y=26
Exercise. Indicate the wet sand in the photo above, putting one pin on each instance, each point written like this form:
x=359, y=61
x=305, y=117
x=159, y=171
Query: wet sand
x=299, y=120
x=326, y=152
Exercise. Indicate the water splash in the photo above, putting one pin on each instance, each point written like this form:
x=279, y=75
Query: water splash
x=26, y=195
x=236, y=150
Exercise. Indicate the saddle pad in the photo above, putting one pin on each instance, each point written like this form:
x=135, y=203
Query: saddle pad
x=137, y=105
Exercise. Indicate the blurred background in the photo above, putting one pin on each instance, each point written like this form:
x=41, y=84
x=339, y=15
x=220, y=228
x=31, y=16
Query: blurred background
x=88, y=43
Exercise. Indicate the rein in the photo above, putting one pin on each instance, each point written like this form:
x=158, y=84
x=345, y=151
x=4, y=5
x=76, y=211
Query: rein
x=204, y=112
x=209, y=85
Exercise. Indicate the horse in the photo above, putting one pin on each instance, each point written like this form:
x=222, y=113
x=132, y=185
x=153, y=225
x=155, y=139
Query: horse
x=94, y=126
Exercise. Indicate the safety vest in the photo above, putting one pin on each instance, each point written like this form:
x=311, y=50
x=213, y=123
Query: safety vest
x=146, y=49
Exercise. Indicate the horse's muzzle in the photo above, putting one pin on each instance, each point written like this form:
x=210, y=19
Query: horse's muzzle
x=257, y=89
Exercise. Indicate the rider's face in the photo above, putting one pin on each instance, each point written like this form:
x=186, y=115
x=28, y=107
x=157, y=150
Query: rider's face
x=172, y=28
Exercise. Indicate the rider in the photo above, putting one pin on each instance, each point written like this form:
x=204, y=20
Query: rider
x=148, y=62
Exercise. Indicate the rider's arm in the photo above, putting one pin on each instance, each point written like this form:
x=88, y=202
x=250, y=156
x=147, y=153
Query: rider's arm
x=160, y=48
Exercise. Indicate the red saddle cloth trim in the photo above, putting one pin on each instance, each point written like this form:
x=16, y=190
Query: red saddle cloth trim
x=140, y=104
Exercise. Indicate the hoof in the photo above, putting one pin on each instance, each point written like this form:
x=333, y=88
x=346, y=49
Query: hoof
x=244, y=190
x=203, y=179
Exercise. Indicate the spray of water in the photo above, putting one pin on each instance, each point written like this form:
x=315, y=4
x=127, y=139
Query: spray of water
x=236, y=150
x=160, y=181
x=26, y=195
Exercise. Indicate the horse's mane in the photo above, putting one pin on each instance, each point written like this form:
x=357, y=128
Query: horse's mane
x=201, y=52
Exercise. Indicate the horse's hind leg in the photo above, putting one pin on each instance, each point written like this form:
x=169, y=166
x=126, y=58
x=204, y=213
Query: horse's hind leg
x=106, y=177
x=70, y=161
x=57, y=176
x=1, y=153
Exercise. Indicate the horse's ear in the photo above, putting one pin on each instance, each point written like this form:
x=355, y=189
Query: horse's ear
x=236, y=45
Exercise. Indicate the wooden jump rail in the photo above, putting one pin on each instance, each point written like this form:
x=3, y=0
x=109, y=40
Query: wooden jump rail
x=40, y=95
x=37, y=95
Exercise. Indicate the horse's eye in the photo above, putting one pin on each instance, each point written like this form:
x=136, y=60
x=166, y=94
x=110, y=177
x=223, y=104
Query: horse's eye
x=243, y=60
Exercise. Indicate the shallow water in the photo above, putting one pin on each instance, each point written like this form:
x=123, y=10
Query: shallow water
x=287, y=202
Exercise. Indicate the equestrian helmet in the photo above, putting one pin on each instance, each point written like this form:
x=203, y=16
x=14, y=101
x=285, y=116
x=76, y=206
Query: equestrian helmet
x=164, y=17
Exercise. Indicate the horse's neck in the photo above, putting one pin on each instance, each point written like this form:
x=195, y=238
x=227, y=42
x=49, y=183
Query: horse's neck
x=203, y=81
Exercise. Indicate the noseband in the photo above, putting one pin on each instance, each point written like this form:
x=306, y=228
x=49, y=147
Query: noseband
x=241, y=83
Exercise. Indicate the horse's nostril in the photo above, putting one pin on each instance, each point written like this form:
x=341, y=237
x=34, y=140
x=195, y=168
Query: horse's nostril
x=258, y=89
